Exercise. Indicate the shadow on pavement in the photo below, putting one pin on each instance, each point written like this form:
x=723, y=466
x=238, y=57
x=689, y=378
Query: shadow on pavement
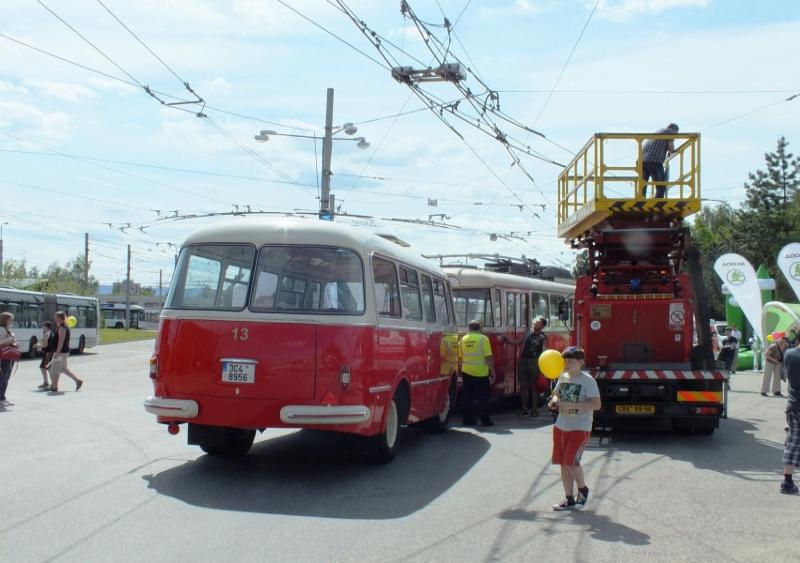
x=733, y=449
x=311, y=473
x=600, y=527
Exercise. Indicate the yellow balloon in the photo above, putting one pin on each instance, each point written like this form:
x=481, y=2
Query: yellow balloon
x=770, y=338
x=551, y=364
x=71, y=321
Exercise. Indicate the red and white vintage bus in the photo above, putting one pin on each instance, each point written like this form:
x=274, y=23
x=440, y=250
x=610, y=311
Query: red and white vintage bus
x=302, y=324
x=505, y=304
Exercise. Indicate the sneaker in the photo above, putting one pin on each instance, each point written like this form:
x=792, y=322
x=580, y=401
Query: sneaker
x=523, y=412
x=8, y=403
x=778, y=394
x=789, y=488
x=565, y=505
x=44, y=386
x=79, y=385
x=581, y=499
x=764, y=395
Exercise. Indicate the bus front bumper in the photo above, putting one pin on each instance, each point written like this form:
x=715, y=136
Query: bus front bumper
x=172, y=408
x=312, y=414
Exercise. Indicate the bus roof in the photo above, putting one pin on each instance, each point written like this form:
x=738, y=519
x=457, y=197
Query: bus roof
x=310, y=232
x=472, y=277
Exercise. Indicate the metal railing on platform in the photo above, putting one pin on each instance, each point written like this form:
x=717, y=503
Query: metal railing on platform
x=593, y=186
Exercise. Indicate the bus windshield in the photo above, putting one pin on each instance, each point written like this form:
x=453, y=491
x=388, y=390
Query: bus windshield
x=473, y=304
x=294, y=278
x=308, y=279
x=212, y=277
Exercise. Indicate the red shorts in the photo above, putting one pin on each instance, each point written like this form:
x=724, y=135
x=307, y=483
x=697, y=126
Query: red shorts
x=568, y=446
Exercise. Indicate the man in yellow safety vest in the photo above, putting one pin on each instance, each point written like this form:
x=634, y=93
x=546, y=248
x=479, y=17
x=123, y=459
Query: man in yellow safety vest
x=477, y=374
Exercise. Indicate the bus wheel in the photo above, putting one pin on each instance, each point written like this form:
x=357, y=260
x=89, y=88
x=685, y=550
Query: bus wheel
x=119, y=325
x=386, y=442
x=235, y=442
x=82, y=344
x=32, y=349
x=438, y=423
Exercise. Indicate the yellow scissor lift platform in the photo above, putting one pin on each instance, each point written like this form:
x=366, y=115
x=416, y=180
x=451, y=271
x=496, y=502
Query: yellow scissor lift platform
x=592, y=187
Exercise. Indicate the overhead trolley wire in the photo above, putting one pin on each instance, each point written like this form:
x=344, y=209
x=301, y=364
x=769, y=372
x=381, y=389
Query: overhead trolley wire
x=136, y=85
x=566, y=63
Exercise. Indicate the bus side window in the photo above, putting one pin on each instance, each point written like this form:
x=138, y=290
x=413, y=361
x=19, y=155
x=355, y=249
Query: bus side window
x=427, y=300
x=510, y=309
x=498, y=308
x=387, y=288
x=525, y=316
x=440, y=302
x=540, y=305
x=409, y=291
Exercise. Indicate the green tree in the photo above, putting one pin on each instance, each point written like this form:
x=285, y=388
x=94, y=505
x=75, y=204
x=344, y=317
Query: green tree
x=67, y=279
x=581, y=267
x=770, y=217
x=714, y=233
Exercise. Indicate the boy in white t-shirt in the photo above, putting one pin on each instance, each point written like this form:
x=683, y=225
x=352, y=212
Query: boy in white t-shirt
x=575, y=397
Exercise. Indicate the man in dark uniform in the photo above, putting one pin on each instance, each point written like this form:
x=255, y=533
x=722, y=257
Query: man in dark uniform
x=528, y=369
x=791, y=451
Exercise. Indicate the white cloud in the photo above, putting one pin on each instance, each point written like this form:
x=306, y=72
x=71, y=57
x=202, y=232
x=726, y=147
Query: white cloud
x=108, y=85
x=33, y=123
x=624, y=10
x=62, y=90
x=515, y=8
x=10, y=88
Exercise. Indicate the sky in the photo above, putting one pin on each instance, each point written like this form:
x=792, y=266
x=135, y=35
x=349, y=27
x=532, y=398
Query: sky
x=84, y=149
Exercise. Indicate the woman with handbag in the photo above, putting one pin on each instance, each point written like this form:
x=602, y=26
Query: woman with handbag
x=8, y=343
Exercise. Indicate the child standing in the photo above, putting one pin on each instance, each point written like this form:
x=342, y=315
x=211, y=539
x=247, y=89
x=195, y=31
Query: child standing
x=47, y=353
x=575, y=397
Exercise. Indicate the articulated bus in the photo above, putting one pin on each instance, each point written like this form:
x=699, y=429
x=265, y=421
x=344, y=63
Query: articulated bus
x=32, y=308
x=302, y=324
x=114, y=315
x=505, y=304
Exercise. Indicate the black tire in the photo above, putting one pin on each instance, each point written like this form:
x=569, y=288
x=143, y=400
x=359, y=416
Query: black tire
x=81, y=344
x=119, y=325
x=32, y=349
x=236, y=443
x=384, y=444
x=439, y=422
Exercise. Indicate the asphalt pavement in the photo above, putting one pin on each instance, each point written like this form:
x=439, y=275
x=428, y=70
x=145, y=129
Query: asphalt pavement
x=90, y=476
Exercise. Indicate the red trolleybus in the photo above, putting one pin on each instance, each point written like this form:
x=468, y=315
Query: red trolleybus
x=505, y=304
x=302, y=324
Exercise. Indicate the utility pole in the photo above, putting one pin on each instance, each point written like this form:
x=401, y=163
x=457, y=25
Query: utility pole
x=128, y=292
x=86, y=263
x=325, y=210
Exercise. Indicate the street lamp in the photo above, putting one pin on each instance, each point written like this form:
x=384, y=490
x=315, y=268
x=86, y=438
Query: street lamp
x=1, y=247
x=325, y=211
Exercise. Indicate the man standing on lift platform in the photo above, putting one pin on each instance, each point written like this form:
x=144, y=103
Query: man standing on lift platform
x=654, y=153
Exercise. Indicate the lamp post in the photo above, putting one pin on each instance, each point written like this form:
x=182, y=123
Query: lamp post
x=325, y=207
x=1, y=247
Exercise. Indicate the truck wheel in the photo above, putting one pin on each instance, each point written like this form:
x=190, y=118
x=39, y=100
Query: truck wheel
x=119, y=325
x=82, y=344
x=236, y=442
x=32, y=349
x=438, y=423
x=385, y=443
